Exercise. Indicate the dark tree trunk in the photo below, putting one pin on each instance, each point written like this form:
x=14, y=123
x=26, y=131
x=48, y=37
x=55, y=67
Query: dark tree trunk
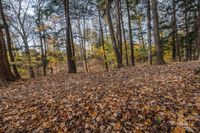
x=187, y=42
x=45, y=53
x=119, y=31
x=142, y=39
x=159, y=51
x=71, y=62
x=9, y=42
x=149, y=31
x=102, y=40
x=42, y=49
x=72, y=42
x=173, y=44
x=84, y=48
x=130, y=34
x=198, y=34
x=5, y=72
x=176, y=47
x=125, y=42
x=114, y=42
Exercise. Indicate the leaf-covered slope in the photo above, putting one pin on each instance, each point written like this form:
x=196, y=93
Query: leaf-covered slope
x=143, y=98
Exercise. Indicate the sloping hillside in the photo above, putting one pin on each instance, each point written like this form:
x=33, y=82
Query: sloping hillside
x=143, y=98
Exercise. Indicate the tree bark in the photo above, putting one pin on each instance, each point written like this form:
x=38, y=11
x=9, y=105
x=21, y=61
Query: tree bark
x=142, y=39
x=125, y=42
x=71, y=62
x=84, y=48
x=198, y=36
x=9, y=42
x=149, y=31
x=41, y=47
x=175, y=32
x=187, y=42
x=130, y=34
x=159, y=51
x=114, y=42
x=102, y=40
x=5, y=72
x=119, y=31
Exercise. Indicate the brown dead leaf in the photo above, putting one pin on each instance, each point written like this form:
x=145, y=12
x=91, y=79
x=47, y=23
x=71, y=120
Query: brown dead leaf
x=118, y=126
x=178, y=130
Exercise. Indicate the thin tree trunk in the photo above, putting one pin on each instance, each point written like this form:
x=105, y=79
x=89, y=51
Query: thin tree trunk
x=72, y=41
x=83, y=54
x=45, y=53
x=42, y=48
x=124, y=35
x=102, y=40
x=9, y=42
x=198, y=36
x=188, y=54
x=119, y=31
x=114, y=42
x=142, y=39
x=149, y=31
x=173, y=43
x=84, y=49
x=130, y=34
x=31, y=70
x=175, y=32
x=159, y=51
x=73, y=46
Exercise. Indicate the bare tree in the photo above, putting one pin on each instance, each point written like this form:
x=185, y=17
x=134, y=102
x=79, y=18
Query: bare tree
x=39, y=5
x=21, y=23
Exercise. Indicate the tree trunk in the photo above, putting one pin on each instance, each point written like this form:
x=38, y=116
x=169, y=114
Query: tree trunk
x=188, y=54
x=84, y=48
x=45, y=53
x=114, y=42
x=9, y=42
x=102, y=40
x=124, y=35
x=42, y=48
x=159, y=51
x=72, y=41
x=149, y=31
x=71, y=62
x=175, y=32
x=5, y=70
x=198, y=36
x=130, y=34
x=119, y=31
x=173, y=43
x=142, y=39
x=31, y=70
x=82, y=43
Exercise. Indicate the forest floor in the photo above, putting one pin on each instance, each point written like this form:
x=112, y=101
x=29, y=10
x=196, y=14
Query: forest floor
x=151, y=99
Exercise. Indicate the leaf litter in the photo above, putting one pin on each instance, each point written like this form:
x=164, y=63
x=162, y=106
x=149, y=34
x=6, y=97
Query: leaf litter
x=145, y=98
